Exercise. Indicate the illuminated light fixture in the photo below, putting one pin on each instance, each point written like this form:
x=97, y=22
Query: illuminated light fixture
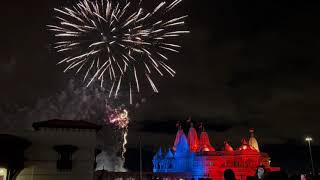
x=308, y=138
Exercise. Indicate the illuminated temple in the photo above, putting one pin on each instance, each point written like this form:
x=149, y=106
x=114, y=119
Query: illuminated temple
x=197, y=158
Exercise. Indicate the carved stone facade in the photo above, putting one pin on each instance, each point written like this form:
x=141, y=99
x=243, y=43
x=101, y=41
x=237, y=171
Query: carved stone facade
x=203, y=161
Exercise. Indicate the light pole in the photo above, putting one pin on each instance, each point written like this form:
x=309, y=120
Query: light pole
x=309, y=139
x=140, y=159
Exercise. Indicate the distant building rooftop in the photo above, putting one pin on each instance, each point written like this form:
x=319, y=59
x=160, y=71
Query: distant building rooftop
x=15, y=142
x=12, y=151
x=59, y=123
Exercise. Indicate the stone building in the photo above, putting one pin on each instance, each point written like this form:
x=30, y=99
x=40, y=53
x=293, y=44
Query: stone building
x=197, y=158
x=54, y=149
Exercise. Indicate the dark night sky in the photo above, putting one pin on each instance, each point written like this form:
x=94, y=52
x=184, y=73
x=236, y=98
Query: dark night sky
x=245, y=64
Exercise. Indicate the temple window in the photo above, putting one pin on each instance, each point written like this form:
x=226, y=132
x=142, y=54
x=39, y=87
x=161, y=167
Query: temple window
x=64, y=162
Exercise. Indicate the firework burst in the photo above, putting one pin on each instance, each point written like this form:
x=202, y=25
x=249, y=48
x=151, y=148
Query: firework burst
x=118, y=42
x=120, y=119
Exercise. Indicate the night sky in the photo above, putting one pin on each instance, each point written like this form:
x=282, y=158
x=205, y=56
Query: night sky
x=245, y=64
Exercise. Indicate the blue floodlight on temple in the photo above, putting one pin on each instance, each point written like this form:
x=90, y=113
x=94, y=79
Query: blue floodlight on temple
x=198, y=159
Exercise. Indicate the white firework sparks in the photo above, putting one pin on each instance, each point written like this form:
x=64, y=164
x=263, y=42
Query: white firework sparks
x=119, y=118
x=118, y=42
x=124, y=149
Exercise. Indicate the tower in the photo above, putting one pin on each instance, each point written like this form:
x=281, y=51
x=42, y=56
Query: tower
x=253, y=141
x=193, y=140
x=204, y=143
x=178, y=136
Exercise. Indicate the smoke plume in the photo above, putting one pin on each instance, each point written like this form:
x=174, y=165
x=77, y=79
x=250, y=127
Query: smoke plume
x=74, y=103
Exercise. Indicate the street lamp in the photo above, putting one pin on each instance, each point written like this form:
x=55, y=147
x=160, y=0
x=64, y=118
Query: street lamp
x=309, y=139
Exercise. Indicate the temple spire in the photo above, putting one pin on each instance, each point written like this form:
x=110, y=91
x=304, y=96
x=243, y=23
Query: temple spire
x=252, y=140
x=227, y=146
x=193, y=140
x=204, y=143
x=178, y=136
x=201, y=127
x=178, y=125
x=251, y=131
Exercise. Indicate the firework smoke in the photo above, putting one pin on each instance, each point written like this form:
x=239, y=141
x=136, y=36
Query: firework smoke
x=74, y=103
x=109, y=162
x=118, y=42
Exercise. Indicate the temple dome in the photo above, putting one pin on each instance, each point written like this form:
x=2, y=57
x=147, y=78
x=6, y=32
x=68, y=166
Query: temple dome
x=204, y=144
x=227, y=147
x=193, y=140
x=182, y=147
x=158, y=155
x=253, y=141
x=245, y=147
x=180, y=133
x=169, y=154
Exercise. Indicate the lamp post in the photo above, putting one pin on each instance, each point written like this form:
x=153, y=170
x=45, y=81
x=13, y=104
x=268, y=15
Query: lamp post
x=309, y=139
x=140, y=159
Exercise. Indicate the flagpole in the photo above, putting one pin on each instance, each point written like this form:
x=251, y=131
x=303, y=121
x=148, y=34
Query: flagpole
x=140, y=155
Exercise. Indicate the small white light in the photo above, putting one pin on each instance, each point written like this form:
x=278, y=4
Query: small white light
x=308, y=139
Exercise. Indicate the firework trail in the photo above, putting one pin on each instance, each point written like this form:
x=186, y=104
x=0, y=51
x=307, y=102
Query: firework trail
x=120, y=119
x=118, y=42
